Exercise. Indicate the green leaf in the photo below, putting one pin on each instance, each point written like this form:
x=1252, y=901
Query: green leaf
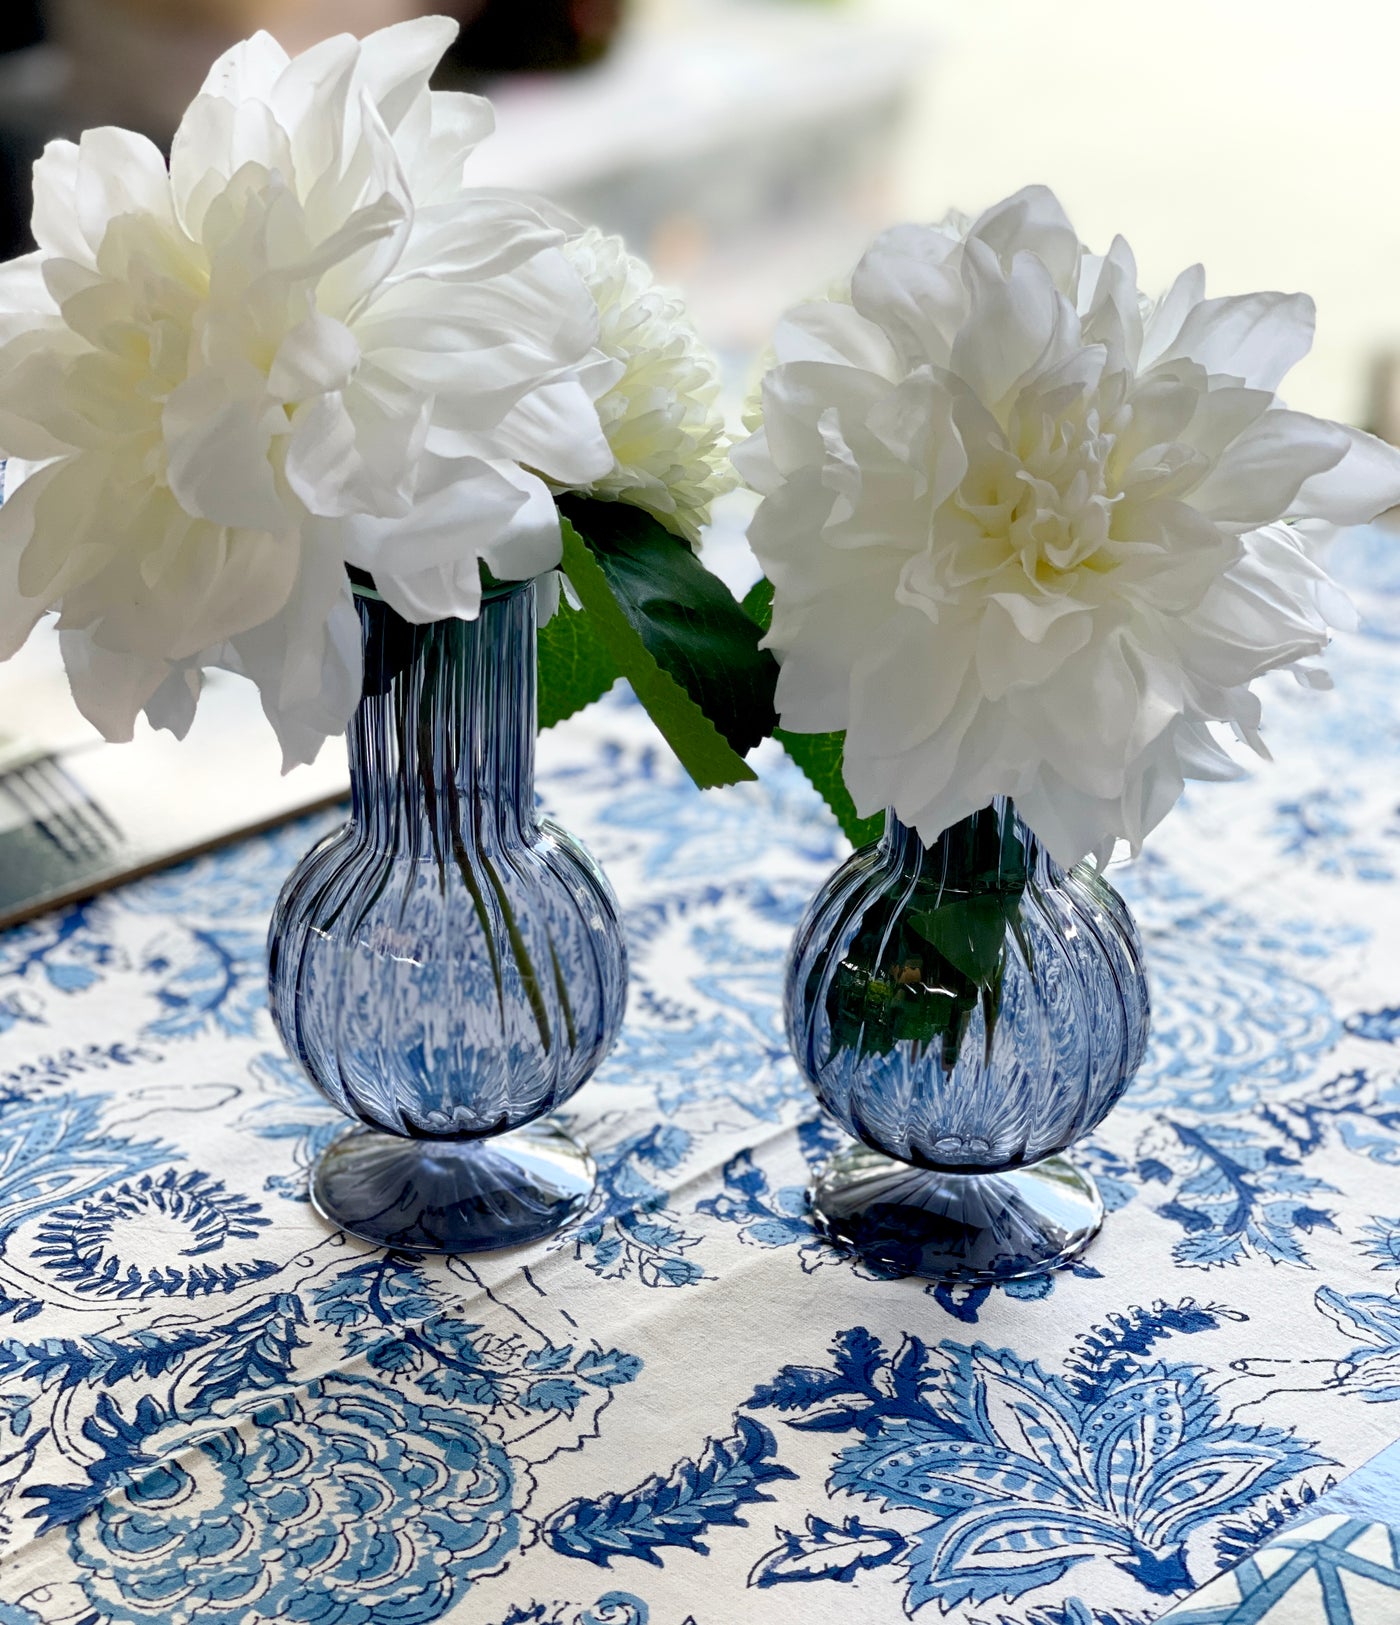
x=933, y=948
x=968, y=932
x=574, y=663
x=818, y=755
x=702, y=749
x=892, y=987
x=688, y=619
x=758, y=603
x=978, y=900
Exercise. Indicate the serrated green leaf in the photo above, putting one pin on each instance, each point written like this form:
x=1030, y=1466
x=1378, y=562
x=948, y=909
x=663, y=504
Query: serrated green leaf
x=574, y=664
x=701, y=748
x=818, y=755
x=688, y=619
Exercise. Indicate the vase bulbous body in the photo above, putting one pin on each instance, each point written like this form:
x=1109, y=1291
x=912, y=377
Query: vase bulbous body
x=966, y=1011
x=448, y=967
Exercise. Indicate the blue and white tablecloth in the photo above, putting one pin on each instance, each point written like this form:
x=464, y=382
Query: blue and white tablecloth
x=213, y=1409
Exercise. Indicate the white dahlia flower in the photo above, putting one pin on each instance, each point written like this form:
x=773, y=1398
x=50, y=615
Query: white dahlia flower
x=1026, y=530
x=307, y=343
x=659, y=416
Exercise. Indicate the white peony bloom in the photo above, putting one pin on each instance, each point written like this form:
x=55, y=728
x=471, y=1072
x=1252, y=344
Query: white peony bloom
x=1025, y=529
x=307, y=343
x=660, y=416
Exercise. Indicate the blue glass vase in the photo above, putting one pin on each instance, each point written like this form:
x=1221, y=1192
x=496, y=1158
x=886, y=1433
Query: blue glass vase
x=966, y=1011
x=449, y=967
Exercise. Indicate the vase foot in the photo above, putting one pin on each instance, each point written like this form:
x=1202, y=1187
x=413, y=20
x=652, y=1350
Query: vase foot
x=452, y=1196
x=974, y=1228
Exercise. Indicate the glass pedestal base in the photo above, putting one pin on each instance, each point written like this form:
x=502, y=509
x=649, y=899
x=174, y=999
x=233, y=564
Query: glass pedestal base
x=453, y=1196
x=976, y=1228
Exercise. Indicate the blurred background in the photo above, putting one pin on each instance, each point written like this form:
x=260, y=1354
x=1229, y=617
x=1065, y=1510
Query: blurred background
x=750, y=149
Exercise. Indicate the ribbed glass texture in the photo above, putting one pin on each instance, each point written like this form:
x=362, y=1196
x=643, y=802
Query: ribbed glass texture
x=449, y=965
x=968, y=1006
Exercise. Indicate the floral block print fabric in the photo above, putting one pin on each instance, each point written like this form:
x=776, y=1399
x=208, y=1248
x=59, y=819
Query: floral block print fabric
x=686, y=1411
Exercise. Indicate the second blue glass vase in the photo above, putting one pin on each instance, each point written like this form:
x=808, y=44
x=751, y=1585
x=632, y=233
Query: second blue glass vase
x=449, y=967
x=966, y=1011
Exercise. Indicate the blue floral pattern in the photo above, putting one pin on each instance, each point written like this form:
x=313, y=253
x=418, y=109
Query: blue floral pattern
x=686, y=1410
x=60, y=955
x=677, y=1509
x=1320, y=828
x=1018, y=1474
x=1236, y=1010
x=80, y=1245
x=612, y=1608
x=340, y=1469
x=628, y=1230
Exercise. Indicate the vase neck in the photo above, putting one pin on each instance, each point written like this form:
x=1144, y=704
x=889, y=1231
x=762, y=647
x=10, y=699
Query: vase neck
x=442, y=746
x=986, y=851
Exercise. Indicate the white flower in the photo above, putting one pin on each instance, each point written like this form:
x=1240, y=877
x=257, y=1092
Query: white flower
x=1024, y=528
x=308, y=343
x=660, y=418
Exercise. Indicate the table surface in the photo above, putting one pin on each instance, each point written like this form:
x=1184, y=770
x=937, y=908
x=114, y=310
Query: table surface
x=686, y=1409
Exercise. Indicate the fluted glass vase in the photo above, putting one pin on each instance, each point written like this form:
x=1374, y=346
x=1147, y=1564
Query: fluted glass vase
x=449, y=967
x=966, y=1011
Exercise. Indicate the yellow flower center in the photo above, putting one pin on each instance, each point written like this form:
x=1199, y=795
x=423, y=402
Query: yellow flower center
x=1035, y=508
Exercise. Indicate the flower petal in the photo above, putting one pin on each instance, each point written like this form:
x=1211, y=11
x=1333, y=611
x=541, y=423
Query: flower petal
x=38, y=419
x=306, y=660
x=908, y=284
x=248, y=71
x=172, y=707
x=531, y=545
x=827, y=330
x=1353, y=491
x=1031, y=221
x=555, y=429
x=1170, y=311
x=110, y=689
x=55, y=219
x=318, y=356
x=1260, y=473
x=312, y=100
x=1255, y=337
x=65, y=541
x=1010, y=327
x=20, y=613
x=476, y=236
x=119, y=172
x=1008, y=659
x=427, y=563
x=397, y=62
x=218, y=429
